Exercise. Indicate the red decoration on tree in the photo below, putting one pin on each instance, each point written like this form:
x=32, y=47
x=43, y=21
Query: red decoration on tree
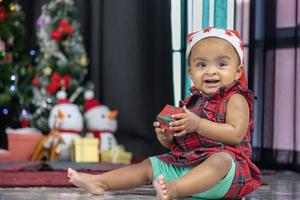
x=3, y=14
x=64, y=28
x=36, y=81
x=56, y=34
x=58, y=81
x=8, y=57
x=25, y=123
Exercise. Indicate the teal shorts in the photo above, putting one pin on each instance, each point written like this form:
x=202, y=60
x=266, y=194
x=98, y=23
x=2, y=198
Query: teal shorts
x=172, y=172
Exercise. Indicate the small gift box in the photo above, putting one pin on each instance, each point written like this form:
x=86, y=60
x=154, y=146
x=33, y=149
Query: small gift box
x=86, y=150
x=165, y=117
x=117, y=155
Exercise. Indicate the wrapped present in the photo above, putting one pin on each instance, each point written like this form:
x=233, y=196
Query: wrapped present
x=165, y=117
x=5, y=156
x=116, y=155
x=85, y=150
x=21, y=143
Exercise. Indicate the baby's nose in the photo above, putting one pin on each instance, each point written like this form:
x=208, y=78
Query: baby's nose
x=211, y=71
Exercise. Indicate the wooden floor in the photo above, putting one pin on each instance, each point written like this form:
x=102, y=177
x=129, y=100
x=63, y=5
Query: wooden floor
x=280, y=185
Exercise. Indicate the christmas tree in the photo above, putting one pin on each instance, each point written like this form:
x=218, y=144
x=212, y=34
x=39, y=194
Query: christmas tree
x=15, y=68
x=61, y=62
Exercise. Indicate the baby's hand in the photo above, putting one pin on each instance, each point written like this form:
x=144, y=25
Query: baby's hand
x=162, y=135
x=186, y=122
x=158, y=130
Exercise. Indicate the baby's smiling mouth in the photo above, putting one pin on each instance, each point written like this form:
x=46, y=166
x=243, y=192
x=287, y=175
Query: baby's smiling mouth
x=212, y=81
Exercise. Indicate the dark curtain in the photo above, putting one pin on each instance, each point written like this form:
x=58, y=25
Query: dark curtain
x=134, y=71
x=129, y=48
x=275, y=81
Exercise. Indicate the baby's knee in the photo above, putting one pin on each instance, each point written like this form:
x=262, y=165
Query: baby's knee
x=221, y=160
x=146, y=164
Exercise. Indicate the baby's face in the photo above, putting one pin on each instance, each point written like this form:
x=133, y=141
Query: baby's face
x=214, y=63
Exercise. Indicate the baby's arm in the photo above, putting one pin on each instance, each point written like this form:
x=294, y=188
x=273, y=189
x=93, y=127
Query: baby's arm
x=231, y=132
x=163, y=137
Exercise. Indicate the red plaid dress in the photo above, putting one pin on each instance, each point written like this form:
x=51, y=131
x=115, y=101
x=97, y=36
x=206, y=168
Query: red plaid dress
x=192, y=149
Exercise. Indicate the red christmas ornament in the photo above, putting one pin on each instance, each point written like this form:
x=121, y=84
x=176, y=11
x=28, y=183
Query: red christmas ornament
x=56, y=34
x=8, y=57
x=25, y=123
x=3, y=14
x=65, y=27
x=35, y=81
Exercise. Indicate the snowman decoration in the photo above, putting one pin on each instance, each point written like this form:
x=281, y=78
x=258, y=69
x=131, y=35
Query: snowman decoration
x=100, y=121
x=66, y=119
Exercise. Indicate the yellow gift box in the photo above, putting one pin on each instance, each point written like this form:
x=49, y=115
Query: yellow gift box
x=86, y=150
x=116, y=155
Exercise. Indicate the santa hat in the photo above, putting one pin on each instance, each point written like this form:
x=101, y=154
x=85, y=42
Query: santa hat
x=61, y=97
x=230, y=36
x=90, y=101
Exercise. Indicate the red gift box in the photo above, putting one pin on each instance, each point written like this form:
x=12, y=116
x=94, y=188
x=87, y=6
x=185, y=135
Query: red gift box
x=165, y=117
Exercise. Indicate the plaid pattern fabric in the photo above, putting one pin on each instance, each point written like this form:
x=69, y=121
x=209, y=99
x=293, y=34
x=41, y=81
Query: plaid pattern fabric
x=192, y=149
x=165, y=117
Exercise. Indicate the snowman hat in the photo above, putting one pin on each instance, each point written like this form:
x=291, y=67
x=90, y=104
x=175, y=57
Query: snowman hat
x=90, y=102
x=61, y=97
x=231, y=36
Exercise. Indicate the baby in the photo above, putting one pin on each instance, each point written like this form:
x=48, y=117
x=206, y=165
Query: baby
x=210, y=149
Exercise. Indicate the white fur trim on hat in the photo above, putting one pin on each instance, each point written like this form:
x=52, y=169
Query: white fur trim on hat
x=90, y=101
x=230, y=36
x=89, y=94
x=61, y=97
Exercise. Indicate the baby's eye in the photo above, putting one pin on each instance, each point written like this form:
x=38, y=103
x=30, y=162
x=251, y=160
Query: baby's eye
x=222, y=64
x=200, y=65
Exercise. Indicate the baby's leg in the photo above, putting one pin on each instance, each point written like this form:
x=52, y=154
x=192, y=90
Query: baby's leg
x=120, y=179
x=199, y=179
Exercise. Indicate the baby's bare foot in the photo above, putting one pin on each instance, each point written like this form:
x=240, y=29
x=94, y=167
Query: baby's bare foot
x=164, y=189
x=86, y=181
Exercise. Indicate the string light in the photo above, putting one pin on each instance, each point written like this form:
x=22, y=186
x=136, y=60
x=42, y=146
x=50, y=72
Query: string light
x=12, y=88
x=13, y=77
x=25, y=113
x=32, y=52
x=5, y=111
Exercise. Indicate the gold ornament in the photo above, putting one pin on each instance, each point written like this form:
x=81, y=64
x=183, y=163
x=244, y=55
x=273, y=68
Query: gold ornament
x=47, y=71
x=46, y=55
x=83, y=61
x=12, y=7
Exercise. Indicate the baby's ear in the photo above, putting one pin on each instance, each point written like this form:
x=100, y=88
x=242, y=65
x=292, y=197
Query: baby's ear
x=239, y=71
x=189, y=70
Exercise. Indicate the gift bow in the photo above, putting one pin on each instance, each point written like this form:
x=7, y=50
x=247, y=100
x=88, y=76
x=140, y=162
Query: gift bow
x=64, y=28
x=57, y=81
